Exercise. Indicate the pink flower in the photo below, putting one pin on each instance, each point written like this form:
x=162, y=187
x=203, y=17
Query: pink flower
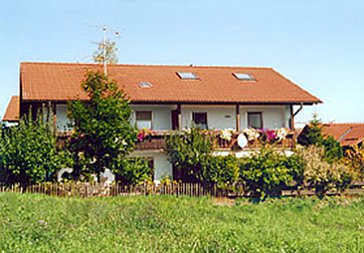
x=141, y=135
x=271, y=135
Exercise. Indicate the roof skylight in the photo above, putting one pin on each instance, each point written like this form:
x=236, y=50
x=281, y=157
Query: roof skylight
x=187, y=75
x=145, y=85
x=244, y=76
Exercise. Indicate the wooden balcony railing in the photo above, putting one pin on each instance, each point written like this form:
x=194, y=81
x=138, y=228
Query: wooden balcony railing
x=156, y=140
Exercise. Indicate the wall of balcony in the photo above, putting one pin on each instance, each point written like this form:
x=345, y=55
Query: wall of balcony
x=218, y=116
x=274, y=117
x=161, y=115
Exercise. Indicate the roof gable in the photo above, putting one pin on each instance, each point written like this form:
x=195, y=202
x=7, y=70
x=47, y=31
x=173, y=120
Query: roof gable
x=12, y=110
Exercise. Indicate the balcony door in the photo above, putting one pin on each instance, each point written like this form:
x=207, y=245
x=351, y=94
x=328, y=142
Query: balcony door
x=174, y=117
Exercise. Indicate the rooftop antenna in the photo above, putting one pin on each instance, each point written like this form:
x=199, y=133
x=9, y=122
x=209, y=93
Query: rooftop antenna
x=104, y=30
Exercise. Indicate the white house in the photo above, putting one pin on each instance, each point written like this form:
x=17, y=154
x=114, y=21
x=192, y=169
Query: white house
x=165, y=98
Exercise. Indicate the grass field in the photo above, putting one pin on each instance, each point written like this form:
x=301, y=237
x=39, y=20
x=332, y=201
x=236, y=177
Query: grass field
x=38, y=223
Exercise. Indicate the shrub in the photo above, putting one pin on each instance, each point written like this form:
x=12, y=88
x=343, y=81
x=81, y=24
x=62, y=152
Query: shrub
x=222, y=170
x=333, y=150
x=321, y=175
x=355, y=159
x=28, y=152
x=134, y=170
x=296, y=166
x=189, y=152
x=265, y=173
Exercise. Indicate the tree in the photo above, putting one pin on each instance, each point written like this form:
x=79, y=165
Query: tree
x=110, y=54
x=312, y=134
x=28, y=152
x=103, y=133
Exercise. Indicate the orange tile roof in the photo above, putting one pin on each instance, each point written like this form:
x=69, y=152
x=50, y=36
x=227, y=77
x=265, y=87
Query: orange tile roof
x=347, y=134
x=12, y=111
x=61, y=81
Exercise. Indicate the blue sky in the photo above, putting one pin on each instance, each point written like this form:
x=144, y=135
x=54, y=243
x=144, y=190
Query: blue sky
x=318, y=44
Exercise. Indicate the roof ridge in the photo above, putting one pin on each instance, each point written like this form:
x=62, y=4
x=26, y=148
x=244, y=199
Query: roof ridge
x=344, y=123
x=141, y=65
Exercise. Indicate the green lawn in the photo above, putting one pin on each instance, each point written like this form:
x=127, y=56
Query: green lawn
x=37, y=223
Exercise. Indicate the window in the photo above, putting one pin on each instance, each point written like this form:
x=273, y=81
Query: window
x=187, y=75
x=244, y=76
x=145, y=85
x=200, y=119
x=143, y=119
x=255, y=120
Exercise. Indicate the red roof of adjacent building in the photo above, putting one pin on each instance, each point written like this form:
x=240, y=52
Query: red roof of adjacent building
x=347, y=134
x=12, y=111
x=62, y=81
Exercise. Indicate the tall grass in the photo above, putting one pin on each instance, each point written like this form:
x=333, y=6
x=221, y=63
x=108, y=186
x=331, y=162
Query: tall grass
x=39, y=223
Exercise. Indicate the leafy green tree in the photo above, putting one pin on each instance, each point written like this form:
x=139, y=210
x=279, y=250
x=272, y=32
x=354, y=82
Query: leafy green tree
x=103, y=134
x=28, y=152
x=110, y=55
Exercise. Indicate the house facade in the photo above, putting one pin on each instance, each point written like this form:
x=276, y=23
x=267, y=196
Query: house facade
x=172, y=98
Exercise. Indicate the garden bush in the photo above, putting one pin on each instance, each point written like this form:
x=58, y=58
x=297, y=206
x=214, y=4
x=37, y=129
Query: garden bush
x=267, y=172
x=134, y=170
x=28, y=152
x=189, y=152
x=321, y=175
x=355, y=159
x=222, y=170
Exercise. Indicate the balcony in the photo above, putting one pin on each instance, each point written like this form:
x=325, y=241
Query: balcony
x=155, y=140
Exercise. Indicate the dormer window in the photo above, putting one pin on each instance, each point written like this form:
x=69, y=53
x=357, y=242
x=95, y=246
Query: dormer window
x=244, y=77
x=187, y=75
x=145, y=85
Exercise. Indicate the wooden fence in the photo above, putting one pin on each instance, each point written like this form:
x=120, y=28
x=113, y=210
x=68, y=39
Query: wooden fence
x=176, y=189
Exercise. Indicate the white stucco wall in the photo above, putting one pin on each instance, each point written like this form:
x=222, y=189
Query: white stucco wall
x=161, y=115
x=218, y=116
x=162, y=166
x=224, y=116
x=273, y=116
